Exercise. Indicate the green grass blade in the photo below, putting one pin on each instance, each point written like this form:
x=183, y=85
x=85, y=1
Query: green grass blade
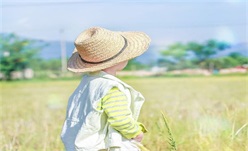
x=171, y=140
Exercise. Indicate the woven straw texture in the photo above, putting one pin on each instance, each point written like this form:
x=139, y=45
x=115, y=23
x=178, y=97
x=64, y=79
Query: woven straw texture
x=98, y=48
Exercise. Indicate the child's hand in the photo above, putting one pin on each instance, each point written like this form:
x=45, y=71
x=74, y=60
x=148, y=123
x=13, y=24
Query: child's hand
x=139, y=137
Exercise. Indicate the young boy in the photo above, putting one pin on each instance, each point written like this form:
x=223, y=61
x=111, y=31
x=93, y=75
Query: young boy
x=102, y=112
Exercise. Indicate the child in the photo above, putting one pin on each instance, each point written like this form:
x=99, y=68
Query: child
x=102, y=112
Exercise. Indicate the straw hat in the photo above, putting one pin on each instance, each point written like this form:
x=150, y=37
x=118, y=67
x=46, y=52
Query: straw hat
x=98, y=48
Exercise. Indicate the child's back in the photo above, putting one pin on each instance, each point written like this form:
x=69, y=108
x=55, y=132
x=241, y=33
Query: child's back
x=102, y=112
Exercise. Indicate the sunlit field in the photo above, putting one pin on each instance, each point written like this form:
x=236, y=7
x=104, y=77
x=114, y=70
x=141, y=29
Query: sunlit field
x=203, y=113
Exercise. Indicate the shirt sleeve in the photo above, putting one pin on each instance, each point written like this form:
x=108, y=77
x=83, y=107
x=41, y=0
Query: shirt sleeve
x=115, y=105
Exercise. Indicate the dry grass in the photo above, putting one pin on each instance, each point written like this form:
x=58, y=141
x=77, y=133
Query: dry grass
x=203, y=113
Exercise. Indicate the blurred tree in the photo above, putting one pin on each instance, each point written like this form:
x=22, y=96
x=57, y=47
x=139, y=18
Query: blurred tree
x=134, y=65
x=232, y=60
x=175, y=65
x=177, y=52
x=53, y=65
x=176, y=57
x=240, y=58
x=44, y=65
x=207, y=50
x=16, y=53
x=191, y=54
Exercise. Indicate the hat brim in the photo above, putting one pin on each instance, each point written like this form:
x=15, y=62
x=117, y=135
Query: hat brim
x=137, y=44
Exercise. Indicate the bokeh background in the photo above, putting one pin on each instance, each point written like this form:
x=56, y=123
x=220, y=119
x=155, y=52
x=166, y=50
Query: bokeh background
x=195, y=71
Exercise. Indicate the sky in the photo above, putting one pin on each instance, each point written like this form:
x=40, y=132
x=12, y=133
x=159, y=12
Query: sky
x=166, y=21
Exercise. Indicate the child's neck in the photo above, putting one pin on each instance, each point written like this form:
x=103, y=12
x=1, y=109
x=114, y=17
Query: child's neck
x=109, y=71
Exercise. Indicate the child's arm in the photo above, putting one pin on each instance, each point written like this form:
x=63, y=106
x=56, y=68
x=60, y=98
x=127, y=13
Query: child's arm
x=116, y=107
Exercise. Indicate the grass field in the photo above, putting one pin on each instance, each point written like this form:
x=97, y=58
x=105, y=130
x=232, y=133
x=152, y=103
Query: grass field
x=204, y=113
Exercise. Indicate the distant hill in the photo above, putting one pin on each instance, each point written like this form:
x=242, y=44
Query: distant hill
x=53, y=51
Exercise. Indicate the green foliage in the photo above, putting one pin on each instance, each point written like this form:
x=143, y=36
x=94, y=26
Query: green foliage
x=134, y=65
x=172, y=65
x=52, y=64
x=177, y=51
x=232, y=60
x=197, y=55
x=239, y=58
x=206, y=50
x=16, y=53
